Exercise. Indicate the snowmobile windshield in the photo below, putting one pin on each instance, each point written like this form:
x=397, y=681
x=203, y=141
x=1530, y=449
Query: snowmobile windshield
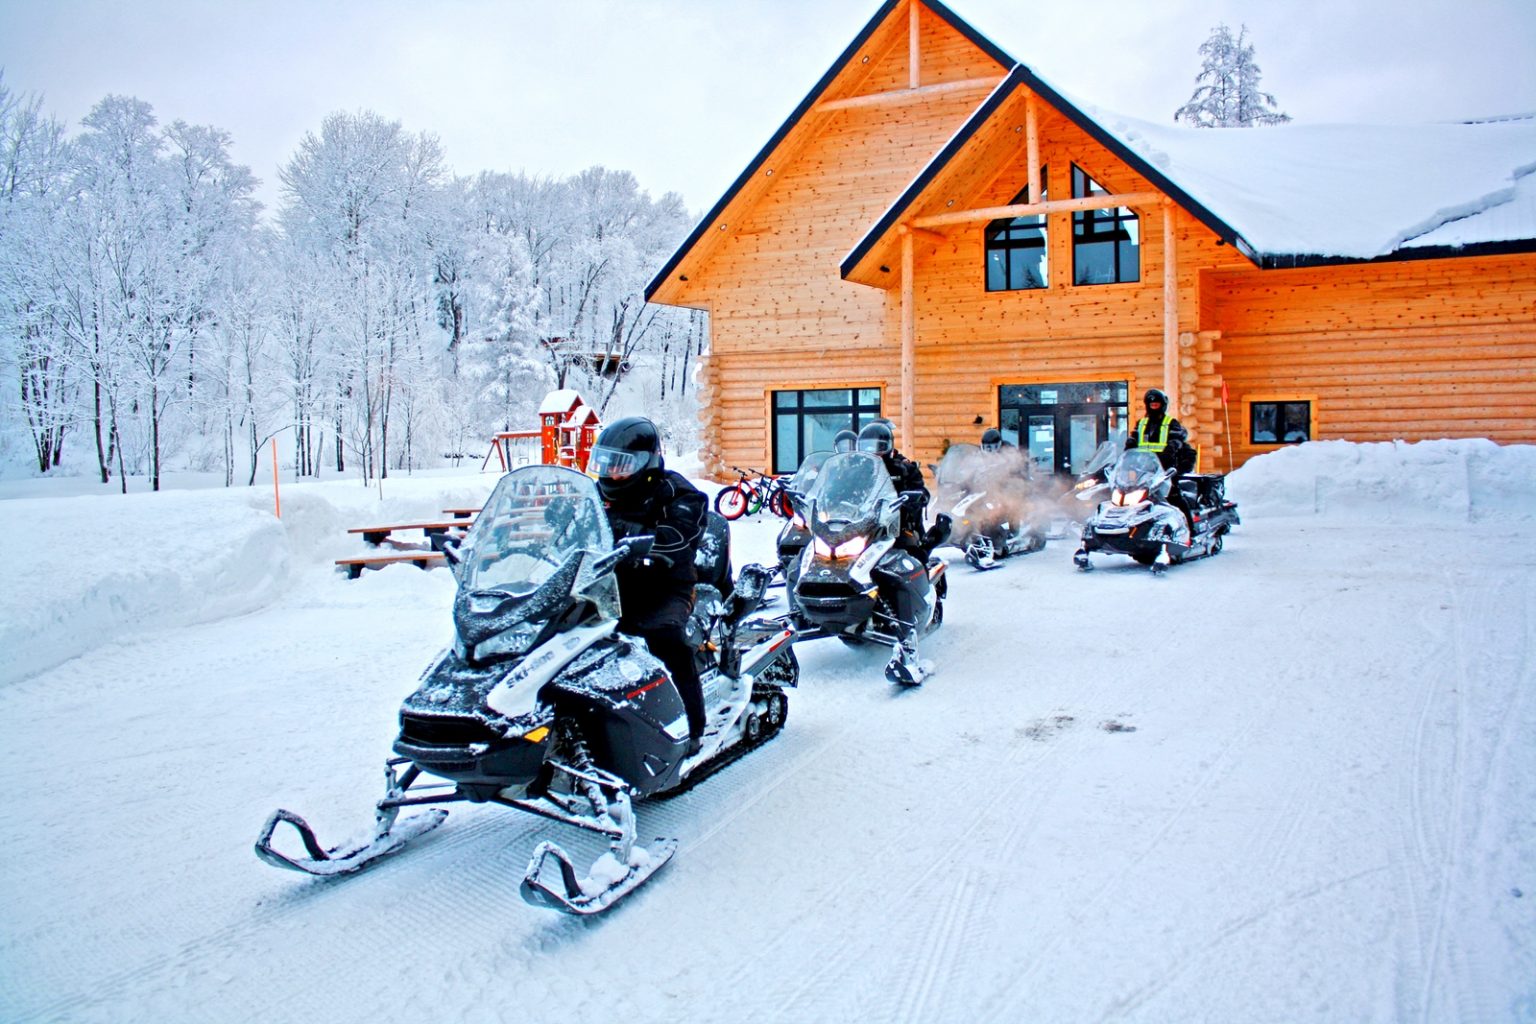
x=809, y=470
x=531, y=525
x=958, y=466
x=1105, y=454
x=850, y=487
x=1135, y=470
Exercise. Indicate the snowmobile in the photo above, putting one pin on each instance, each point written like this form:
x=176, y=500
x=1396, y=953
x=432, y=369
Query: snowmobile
x=1139, y=521
x=542, y=706
x=795, y=534
x=987, y=497
x=851, y=580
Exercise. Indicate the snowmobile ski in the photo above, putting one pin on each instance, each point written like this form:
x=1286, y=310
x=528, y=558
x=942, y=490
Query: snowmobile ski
x=346, y=858
x=607, y=881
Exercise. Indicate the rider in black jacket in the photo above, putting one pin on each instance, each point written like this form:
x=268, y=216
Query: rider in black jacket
x=642, y=496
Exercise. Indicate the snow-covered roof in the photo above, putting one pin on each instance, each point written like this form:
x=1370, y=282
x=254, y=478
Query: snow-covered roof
x=563, y=400
x=580, y=417
x=1351, y=191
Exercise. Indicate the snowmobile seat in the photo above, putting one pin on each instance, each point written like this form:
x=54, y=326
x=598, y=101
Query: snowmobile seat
x=713, y=560
x=1209, y=488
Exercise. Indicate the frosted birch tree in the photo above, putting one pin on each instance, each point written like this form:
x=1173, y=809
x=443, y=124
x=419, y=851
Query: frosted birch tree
x=1227, y=93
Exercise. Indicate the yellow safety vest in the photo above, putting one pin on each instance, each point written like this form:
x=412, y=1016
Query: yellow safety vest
x=1152, y=446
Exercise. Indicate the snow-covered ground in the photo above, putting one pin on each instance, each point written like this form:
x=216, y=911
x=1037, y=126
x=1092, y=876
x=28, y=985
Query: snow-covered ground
x=1291, y=783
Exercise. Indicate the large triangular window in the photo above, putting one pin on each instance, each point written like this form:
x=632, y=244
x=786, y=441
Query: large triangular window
x=1016, y=249
x=1106, y=244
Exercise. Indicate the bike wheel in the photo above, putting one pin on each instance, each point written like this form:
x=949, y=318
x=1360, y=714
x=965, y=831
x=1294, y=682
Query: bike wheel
x=754, y=500
x=731, y=502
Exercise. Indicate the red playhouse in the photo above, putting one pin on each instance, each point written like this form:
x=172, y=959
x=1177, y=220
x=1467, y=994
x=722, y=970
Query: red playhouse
x=568, y=428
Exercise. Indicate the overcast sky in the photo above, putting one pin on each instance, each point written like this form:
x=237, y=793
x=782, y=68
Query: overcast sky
x=684, y=92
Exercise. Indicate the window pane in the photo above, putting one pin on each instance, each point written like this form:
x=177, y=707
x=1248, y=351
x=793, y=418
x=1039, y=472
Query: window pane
x=997, y=272
x=870, y=397
x=786, y=444
x=785, y=399
x=1297, y=416
x=1263, y=429
x=1095, y=263
x=836, y=398
x=1130, y=259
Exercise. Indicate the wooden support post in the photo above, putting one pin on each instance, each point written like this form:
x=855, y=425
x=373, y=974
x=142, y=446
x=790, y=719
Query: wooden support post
x=1170, y=312
x=908, y=342
x=1032, y=146
x=914, y=33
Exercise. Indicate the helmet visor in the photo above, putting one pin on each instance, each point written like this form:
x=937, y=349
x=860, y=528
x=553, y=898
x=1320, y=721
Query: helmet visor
x=615, y=463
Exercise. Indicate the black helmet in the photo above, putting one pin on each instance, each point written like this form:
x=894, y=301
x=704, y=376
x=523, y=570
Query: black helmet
x=845, y=441
x=1156, y=402
x=625, y=454
x=991, y=440
x=876, y=437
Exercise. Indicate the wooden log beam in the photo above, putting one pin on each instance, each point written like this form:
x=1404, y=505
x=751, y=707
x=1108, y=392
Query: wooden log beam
x=987, y=213
x=1032, y=144
x=914, y=54
x=901, y=96
x=908, y=341
x=1170, y=310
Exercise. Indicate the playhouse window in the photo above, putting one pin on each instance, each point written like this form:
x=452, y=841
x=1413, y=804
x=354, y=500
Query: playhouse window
x=1016, y=250
x=807, y=421
x=1106, y=244
x=1279, y=422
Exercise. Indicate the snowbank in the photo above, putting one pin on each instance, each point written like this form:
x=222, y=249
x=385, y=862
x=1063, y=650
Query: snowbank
x=82, y=571
x=1391, y=481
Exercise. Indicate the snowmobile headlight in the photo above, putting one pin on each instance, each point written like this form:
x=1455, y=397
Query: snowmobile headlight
x=847, y=549
x=1136, y=497
x=798, y=520
x=851, y=549
x=515, y=640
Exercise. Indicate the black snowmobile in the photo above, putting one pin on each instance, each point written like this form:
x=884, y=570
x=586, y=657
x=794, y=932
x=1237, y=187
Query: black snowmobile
x=987, y=495
x=541, y=706
x=1138, y=520
x=852, y=581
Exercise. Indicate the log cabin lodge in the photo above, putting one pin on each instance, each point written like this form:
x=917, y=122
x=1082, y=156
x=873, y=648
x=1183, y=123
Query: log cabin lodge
x=938, y=236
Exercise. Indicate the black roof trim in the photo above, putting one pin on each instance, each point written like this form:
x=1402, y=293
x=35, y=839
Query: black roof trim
x=986, y=45
x=1506, y=247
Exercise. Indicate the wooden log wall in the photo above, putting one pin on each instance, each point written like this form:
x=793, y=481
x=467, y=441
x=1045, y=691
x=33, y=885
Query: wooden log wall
x=1413, y=350
x=780, y=316
x=971, y=341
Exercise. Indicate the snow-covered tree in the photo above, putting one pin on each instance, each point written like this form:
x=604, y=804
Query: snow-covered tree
x=1227, y=93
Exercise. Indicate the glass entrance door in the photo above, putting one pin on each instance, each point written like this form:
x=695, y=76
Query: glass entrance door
x=1061, y=425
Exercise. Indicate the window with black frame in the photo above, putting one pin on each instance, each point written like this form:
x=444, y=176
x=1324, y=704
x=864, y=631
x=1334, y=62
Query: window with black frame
x=1279, y=422
x=1106, y=244
x=1017, y=257
x=808, y=421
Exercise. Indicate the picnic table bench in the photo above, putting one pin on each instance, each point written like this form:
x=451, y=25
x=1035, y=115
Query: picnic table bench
x=461, y=513
x=421, y=559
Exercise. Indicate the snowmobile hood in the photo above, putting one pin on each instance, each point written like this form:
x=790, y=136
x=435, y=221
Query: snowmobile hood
x=479, y=615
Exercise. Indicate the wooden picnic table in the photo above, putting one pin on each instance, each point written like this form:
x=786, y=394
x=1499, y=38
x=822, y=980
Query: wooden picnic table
x=462, y=513
x=434, y=531
x=421, y=559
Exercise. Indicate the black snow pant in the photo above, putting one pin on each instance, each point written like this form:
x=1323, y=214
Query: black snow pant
x=663, y=628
